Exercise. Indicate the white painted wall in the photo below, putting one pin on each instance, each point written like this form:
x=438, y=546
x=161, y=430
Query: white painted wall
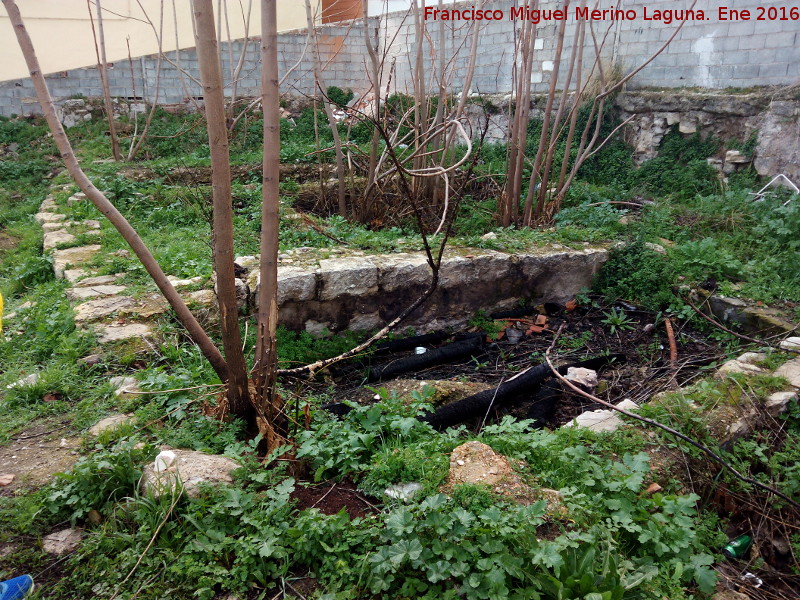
x=377, y=7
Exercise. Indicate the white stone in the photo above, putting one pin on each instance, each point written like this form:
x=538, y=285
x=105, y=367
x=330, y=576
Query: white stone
x=586, y=378
x=114, y=332
x=347, y=277
x=736, y=157
x=100, y=280
x=489, y=236
x=205, y=298
x=72, y=275
x=752, y=358
x=48, y=217
x=792, y=343
x=777, y=403
x=86, y=292
x=94, y=310
x=48, y=204
x=110, y=423
x=189, y=469
x=180, y=283
x=399, y=271
x=54, y=238
x=604, y=419
x=248, y=262
x=124, y=385
x=790, y=371
x=28, y=381
x=56, y=226
x=736, y=366
x=72, y=256
x=62, y=542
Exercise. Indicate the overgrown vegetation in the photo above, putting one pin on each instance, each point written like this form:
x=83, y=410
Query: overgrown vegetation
x=256, y=537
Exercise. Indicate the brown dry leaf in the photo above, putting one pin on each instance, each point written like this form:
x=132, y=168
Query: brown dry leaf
x=52, y=396
x=571, y=305
x=653, y=488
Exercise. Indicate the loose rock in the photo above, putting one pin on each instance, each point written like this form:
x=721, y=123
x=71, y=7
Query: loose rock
x=62, y=542
x=189, y=469
x=110, y=423
x=790, y=371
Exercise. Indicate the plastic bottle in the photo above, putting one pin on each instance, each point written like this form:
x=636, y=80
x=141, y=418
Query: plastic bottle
x=14, y=589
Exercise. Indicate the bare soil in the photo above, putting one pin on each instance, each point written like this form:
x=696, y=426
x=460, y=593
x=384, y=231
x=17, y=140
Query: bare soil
x=36, y=454
x=331, y=497
x=7, y=242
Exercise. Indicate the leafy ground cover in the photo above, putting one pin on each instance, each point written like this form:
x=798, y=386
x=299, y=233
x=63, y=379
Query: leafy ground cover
x=259, y=538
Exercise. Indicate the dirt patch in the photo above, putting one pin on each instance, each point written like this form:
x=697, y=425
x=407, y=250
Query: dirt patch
x=34, y=455
x=331, y=497
x=7, y=241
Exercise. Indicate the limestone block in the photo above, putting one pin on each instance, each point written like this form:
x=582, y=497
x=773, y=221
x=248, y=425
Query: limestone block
x=205, y=298
x=72, y=256
x=188, y=469
x=778, y=402
x=110, y=423
x=101, y=280
x=365, y=322
x=792, y=343
x=62, y=542
x=115, y=332
x=94, y=310
x=790, y=371
x=54, y=226
x=48, y=217
x=397, y=271
x=54, y=238
x=85, y=292
x=353, y=276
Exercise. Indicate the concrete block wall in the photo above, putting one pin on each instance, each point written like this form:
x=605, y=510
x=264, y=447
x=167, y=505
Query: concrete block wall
x=710, y=53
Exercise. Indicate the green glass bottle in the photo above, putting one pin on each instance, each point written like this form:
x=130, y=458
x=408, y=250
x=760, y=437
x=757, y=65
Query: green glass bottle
x=738, y=547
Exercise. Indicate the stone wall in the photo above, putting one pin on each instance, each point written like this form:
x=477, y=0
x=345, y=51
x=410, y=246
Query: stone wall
x=773, y=117
x=710, y=53
x=363, y=292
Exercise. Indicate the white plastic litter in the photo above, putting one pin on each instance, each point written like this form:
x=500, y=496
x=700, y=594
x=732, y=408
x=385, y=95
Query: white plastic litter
x=164, y=461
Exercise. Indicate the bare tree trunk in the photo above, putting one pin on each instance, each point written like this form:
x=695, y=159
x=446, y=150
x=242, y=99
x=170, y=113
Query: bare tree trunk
x=269, y=404
x=102, y=203
x=102, y=67
x=211, y=76
x=136, y=145
x=544, y=139
x=375, y=76
x=337, y=142
x=519, y=129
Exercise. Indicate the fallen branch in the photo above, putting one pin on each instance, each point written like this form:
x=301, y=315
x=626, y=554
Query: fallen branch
x=673, y=348
x=710, y=453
